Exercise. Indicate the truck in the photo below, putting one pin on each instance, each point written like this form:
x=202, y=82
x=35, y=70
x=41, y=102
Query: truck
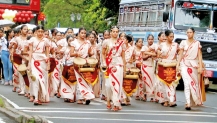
x=143, y=17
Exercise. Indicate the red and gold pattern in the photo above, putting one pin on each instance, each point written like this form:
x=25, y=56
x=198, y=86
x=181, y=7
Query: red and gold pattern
x=90, y=77
x=68, y=74
x=167, y=75
x=129, y=86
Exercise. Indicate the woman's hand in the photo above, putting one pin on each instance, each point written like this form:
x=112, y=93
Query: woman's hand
x=200, y=70
x=177, y=68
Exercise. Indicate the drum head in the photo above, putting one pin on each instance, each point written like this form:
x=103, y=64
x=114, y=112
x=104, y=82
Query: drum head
x=79, y=61
x=22, y=67
x=135, y=70
x=92, y=61
x=173, y=64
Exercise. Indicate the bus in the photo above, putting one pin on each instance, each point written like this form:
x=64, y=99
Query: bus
x=23, y=5
x=143, y=17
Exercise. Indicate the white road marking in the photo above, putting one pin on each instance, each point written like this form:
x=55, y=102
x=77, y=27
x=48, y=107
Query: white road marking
x=125, y=113
x=15, y=106
x=141, y=111
x=9, y=101
x=132, y=120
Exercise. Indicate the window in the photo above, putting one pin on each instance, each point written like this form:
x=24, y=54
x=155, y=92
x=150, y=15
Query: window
x=137, y=17
x=129, y=17
x=152, y=16
x=144, y=17
x=22, y=2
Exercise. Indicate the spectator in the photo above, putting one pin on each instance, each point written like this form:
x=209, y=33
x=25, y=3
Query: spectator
x=5, y=58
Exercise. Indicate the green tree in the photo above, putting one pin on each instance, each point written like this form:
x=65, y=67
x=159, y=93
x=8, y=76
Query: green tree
x=94, y=16
x=43, y=4
x=59, y=11
x=112, y=7
x=94, y=13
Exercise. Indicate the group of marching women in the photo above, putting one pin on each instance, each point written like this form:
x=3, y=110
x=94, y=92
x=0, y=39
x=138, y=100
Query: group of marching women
x=81, y=67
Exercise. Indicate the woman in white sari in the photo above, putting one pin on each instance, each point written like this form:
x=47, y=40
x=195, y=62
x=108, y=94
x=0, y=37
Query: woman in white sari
x=68, y=79
x=148, y=52
x=190, y=62
x=81, y=49
x=17, y=44
x=114, y=60
x=167, y=53
x=39, y=66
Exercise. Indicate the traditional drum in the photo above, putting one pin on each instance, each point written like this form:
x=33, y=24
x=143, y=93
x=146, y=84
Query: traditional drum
x=17, y=59
x=22, y=69
x=130, y=81
x=33, y=78
x=52, y=65
x=103, y=68
x=92, y=62
x=166, y=72
x=86, y=65
x=79, y=62
x=68, y=74
x=133, y=73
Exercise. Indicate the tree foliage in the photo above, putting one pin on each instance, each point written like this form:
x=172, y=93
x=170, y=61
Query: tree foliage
x=59, y=11
x=112, y=7
x=94, y=17
x=94, y=13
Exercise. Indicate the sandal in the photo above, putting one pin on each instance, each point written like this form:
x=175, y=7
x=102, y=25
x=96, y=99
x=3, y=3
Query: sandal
x=137, y=98
x=128, y=103
x=187, y=107
x=79, y=102
x=109, y=107
x=116, y=108
x=58, y=95
x=31, y=100
x=37, y=103
x=87, y=102
x=14, y=89
x=123, y=104
x=165, y=104
x=103, y=97
x=66, y=100
x=26, y=95
x=18, y=91
x=71, y=101
x=173, y=105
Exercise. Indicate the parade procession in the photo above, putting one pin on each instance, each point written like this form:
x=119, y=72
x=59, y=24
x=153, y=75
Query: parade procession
x=80, y=67
x=116, y=60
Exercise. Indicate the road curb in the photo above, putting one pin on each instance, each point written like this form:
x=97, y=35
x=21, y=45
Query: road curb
x=20, y=116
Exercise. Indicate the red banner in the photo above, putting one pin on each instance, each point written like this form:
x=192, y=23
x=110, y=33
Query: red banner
x=167, y=74
x=17, y=59
x=68, y=74
x=129, y=86
x=90, y=77
x=26, y=80
x=52, y=65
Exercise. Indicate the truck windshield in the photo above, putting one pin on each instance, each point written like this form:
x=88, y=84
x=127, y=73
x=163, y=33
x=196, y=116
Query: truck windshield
x=15, y=1
x=194, y=15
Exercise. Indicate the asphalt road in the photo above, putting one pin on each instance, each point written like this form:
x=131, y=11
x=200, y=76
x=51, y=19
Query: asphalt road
x=57, y=111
